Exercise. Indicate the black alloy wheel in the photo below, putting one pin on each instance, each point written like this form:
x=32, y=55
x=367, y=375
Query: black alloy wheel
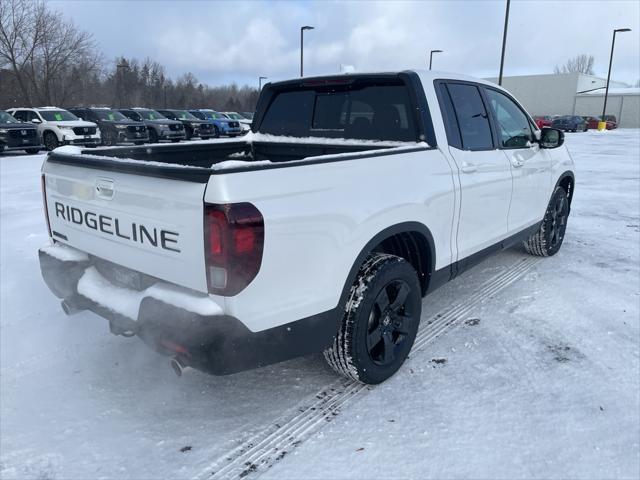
x=50, y=141
x=390, y=322
x=380, y=320
x=549, y=237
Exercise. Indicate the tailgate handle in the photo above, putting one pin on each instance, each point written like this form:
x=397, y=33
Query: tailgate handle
x=104, y=188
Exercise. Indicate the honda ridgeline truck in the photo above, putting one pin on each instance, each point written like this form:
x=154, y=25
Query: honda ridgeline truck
x=321, y=230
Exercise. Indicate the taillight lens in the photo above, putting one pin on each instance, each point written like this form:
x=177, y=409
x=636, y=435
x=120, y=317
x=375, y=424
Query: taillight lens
x=43, y=184
x=234, y=240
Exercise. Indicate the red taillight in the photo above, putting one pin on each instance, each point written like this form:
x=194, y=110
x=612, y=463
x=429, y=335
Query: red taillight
x=234, y=238
x=43, y=184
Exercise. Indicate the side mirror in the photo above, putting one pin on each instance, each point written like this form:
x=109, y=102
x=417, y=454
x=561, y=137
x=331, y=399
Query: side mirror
x=36, y=120
x=551, y=138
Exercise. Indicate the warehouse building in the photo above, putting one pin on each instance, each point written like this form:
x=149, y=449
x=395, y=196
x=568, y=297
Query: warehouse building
x=575, y=94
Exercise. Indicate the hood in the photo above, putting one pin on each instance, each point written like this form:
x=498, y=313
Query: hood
x=164, y=121
x=72, y=123
x=129, y=123
x=21, y=125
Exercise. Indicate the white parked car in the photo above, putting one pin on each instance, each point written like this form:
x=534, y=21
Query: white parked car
x=357, y=195
x=245, y=123
x=57, y=126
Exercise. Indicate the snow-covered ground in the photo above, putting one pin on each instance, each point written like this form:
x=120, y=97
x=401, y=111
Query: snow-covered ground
x=524, y=368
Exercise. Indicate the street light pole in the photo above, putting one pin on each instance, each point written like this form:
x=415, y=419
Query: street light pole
x=504, y=41
x=260, y=83
x=164, y=88
x=119, y=68
x=431, y=57
x=302, y=29
x=602, y=125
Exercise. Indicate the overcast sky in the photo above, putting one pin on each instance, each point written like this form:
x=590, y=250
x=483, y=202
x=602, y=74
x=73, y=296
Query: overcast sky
x=237, y=41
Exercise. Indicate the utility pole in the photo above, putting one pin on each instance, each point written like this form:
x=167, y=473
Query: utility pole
x=602, y=124
x=504, y=41
x=302, y=29
x=431, y=57
x=120, y=67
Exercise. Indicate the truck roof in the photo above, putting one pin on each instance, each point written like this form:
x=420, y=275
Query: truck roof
x=425, y=76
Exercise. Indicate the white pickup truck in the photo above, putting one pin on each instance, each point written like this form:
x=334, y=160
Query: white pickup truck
x=321, y=230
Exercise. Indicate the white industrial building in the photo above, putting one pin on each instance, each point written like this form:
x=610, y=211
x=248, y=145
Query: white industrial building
x=575, y=94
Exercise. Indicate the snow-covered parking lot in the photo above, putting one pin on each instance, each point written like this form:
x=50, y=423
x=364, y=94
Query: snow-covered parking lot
x=524, y=368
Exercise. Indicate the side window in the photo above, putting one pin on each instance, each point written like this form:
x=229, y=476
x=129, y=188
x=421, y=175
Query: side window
x=19, y=114
x=471, y=116
x=514, y=130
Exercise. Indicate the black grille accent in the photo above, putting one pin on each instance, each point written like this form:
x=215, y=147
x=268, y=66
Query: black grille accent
x=136, y=128
x=176, y=127
x=84, y=130
x=234, y=124
x=205, y=126
x=18, y=133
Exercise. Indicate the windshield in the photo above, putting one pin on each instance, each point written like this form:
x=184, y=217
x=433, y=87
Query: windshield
x=184, y=115
x=6, y=118
x=57, y=116
x=215, y=115
x=110, y=115
x=235, y=116
x=151, y=115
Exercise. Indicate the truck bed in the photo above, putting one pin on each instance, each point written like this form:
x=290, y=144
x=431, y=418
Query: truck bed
x=196, y=161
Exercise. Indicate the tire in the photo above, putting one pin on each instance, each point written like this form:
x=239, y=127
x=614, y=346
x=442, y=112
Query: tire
x=188, y=132
x=216, y=132
x=175, y=140
x=153, y=136
x=32, y=151
x=380, y=322
x=50, y=140
x=138, y=143
x=549, y=237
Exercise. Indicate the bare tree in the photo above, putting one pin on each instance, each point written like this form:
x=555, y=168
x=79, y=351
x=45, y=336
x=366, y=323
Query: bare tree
x=21, y=33
x=45, y=52
x=579, y=64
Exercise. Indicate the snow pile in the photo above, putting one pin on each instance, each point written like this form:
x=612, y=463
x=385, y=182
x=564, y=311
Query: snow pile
x=126, y=302
x=65, y=253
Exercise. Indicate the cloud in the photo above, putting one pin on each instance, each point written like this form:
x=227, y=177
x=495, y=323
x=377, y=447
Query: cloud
x=223, y=41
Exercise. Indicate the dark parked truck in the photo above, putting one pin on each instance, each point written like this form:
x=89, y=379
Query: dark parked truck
x=114, y=126
x=159, y=126
x=353, y=197
x=193, y=127
x=16, y=135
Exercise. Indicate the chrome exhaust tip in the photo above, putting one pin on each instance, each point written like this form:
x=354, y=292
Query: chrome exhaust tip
x=69, y=308
x=178, y=366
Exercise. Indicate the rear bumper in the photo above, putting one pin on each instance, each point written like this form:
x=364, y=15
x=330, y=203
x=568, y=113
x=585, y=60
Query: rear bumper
x=180, y=323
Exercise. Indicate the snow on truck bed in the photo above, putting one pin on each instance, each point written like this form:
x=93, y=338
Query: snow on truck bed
x=248, y=139
x=525, y=367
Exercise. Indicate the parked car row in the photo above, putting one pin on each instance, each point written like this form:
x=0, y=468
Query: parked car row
x=574, y=123
x=34, y=129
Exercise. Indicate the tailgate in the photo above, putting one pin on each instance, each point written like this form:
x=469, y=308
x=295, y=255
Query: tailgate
x=149, y=224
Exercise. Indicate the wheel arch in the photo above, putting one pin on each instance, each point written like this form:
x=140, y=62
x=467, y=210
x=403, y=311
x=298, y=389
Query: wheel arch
x=50, y=130
x=412, y=241
x=567, y=181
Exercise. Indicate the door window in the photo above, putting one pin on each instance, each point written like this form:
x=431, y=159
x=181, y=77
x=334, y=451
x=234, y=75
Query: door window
x=514, y=129
x=471, y=116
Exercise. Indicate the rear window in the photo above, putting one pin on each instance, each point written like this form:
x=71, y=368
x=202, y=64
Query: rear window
x=357, y=111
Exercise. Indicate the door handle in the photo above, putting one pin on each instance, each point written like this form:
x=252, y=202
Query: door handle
x=517, y=163
x=468, y=167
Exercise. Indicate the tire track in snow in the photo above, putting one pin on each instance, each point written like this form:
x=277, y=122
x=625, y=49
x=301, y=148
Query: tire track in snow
x=274, y=442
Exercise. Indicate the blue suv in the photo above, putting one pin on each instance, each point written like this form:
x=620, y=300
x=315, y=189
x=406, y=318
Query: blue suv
x=221, y=124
